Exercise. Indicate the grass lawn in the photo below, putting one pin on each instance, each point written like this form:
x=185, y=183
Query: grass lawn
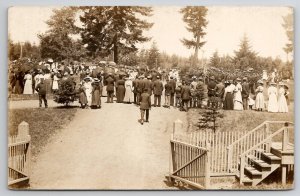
x=43, y=123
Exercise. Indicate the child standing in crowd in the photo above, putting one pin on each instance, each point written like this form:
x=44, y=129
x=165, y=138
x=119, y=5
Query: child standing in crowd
x=259, y=99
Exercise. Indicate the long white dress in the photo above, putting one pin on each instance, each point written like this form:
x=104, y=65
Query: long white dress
x=259, y=99
x=237, y=99
x=55, y=83
x=272, y=104
x=88, y=91
x=282, y=104
x=128, y=91
x=28, y=84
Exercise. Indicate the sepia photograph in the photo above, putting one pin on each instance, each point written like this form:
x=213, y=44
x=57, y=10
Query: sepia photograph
x=150, y=98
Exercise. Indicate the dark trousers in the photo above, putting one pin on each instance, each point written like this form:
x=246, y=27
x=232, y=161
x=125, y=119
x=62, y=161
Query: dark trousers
x=172, y=99
x=245, y=103
x=110, y=96
x=143, y=114
x=185, y=105
x=157, y=98
x=43, y=98
x=178, y=102
x=134, y=97
x=138, y=95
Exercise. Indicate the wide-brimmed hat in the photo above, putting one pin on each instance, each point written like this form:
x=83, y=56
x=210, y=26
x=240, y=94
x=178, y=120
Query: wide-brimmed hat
x=260, y=82
x=245, y=78
x=273, y=83
x=238, y=79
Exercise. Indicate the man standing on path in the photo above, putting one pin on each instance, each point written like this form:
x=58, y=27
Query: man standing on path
x=245, y=93
x=110, y=88
x=157, y=91
x=41, y=88
x=185, y=95
x=134, y=85
x=173, y=86
x=145, y=106
x=220, y=92
x=139, y=88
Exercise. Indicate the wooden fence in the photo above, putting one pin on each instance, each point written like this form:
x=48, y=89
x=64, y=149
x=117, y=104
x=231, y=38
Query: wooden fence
x=190, y=164
x=19, y=155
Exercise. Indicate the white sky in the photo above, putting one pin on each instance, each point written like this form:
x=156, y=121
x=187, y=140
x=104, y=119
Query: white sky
x=226, y=27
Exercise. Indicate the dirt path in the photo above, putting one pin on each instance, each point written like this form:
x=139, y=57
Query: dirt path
x=108, y=149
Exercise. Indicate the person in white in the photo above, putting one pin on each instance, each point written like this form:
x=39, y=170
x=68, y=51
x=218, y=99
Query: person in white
x=128, y=98
x=37, y=80
x=272, y=93
x=55, y=83
x=28, y=84
x=237, y=98
x=88, y=89
x=282, y=103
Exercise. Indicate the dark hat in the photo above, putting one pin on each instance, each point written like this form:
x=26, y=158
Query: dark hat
x=245, y=79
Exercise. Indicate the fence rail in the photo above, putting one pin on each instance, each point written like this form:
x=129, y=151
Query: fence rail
x=19, y=155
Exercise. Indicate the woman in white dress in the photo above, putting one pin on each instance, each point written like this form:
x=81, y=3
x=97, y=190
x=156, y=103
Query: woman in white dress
x=55, y=83
x=88, y=89
x=128, y=98
x=237, y=98
x=259, y=99
x=282, y=103
x=28, y=84
x=272, y=94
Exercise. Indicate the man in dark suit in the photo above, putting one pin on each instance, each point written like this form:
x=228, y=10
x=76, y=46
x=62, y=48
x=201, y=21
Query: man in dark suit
x=220, y=88
x=245, y=93
x=211, y=87
x=139, y=88
x=145, y=106
x=134, y=85
x=173, y=86
x=158, y=88
x=110, y=88
x=41, y=88
x=185, y=95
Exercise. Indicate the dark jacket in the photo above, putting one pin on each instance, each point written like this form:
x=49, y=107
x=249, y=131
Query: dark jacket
x=110, y=84
x=145, y=101
x=148, y=86
x=173, y=85
x=245, y=90
x=211, y=87
x=185, y=92
x=168, y=89
x=140, y=86
x=220, y=89
x=158, y=87
x=41, y=88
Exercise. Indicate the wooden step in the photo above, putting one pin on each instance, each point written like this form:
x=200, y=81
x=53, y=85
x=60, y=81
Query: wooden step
x=270, y=158
x=261, y=166
x=246, y=180
x=253, y=173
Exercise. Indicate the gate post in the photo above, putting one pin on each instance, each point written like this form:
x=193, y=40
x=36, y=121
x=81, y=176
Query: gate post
x=207, y=166
x=23, y=131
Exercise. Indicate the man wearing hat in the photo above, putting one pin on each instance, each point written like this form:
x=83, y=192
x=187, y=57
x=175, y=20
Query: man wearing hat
x=110, y=87
x=41, y=88
x=200, y=92
x=245, y=93
x=211, y=87
x=220, y=88
x=173, y=86
x=139, y=87
x=157, y=91
x=185, y=95
x=145, y=106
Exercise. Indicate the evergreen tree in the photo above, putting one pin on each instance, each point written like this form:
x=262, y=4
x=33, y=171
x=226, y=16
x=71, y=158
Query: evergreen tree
x=153, y=60
x=289, y=28
x=215, y=60
x=114, y=28
x=194, y=16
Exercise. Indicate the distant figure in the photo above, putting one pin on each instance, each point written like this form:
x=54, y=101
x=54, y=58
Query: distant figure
x=120, y=90
x=28, y=84
x=157, y=91
x=96, y=94
x=145, y=106
x=282, y=103
x=245, y=93
x=55, y=83
x=129, y=96
x=259, y=99
x=168, y=89
x=237, y=98
x=82, y=96
x=173, y=86
x=228, y=95
x=110, y=88
x=185, y=95
x=272, y=93
x=178, y=96
x=41, y=88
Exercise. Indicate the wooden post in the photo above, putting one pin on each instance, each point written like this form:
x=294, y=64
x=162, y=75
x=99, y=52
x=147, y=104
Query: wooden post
x=207, y=166
x=242, y=166
x=23, y=131
x=285, y=139
x=177, y=126
x=269, y=142
x=283, y=175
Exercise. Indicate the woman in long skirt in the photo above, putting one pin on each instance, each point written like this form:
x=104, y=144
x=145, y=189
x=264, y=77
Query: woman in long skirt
x=128, y=98
x=282, y=103
x=120, y=90
x=96, y=95
x=272, y=93
x=88, y=89
x=55, y=83
x=259, y=99
x=237, y=98
x=82, y=96
x=28, y=84
x=228, y=96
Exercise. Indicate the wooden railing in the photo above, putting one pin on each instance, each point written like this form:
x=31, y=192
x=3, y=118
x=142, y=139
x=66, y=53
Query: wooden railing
x=246, y=142
x=256, y=150
x=19, y=155
x=190, y=163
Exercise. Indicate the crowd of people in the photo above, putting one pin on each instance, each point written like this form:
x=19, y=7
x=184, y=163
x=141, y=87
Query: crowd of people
x=149, y=88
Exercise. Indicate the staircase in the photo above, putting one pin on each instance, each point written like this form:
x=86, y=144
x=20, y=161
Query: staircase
x=262, y=159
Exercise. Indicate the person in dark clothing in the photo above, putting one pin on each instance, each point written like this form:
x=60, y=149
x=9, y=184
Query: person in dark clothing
x=211, y=87
x=245, y=93
x=178, y=96
x=134, y=85
x=185, y=96
x=139, y=88
x=145, y=106
x=120, y=90
x=157, y=91
x=168, y=90
x=110, y=88
x=41, y=88
x=220, y=88
x=173, y=86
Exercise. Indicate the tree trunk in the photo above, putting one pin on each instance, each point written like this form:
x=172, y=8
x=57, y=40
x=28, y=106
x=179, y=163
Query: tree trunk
x=196, y=50
x=116, y=54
